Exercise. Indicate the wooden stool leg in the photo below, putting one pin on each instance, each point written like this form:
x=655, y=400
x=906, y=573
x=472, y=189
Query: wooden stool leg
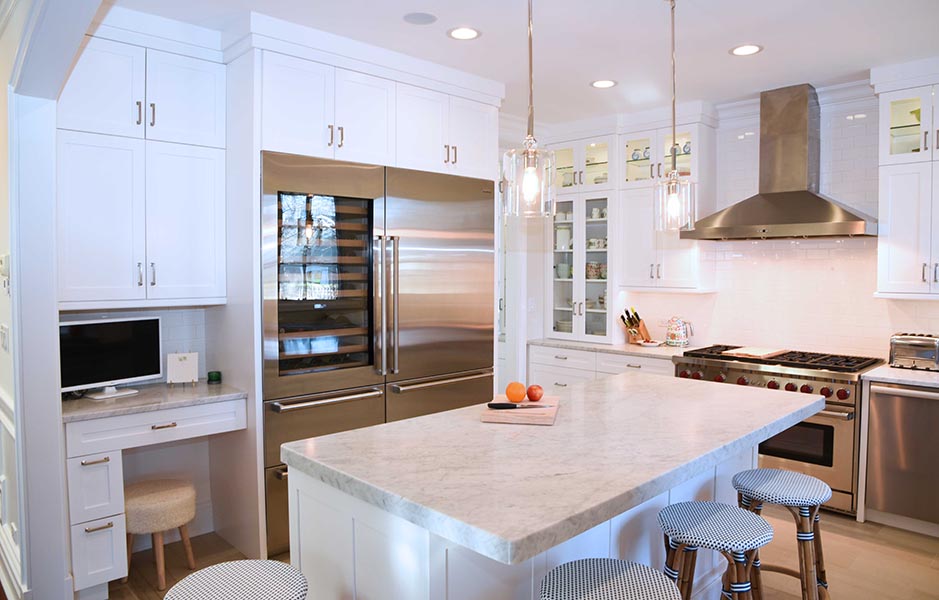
x=130, y=551
x=756, y=576
x=187, y=545
x=729, y=578
x=160, y=564
x=674, y=559
x=688, y=560
x=741, y=588
x=819, y=555
x=805, y=536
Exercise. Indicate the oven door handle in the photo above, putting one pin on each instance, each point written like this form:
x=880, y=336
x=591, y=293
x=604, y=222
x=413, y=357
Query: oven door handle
x=836, y=414
x=922, y=394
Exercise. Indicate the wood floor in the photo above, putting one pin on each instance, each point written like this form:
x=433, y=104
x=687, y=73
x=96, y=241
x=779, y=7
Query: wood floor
x=865, y=561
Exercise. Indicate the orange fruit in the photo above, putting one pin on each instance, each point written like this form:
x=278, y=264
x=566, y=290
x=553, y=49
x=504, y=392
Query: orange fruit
x=515, y=391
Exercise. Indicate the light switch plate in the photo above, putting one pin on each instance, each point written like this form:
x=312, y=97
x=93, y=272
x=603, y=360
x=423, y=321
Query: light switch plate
x=182, y=368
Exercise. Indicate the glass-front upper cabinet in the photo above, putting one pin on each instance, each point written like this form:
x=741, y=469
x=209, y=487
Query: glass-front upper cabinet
x=647, y=155
x=906, y=122
x=638, y=150
x=684, y=152
x=579, y=269
x=585, y=165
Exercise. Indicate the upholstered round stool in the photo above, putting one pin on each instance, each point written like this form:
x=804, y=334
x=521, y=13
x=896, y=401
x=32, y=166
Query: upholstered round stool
x=155, y=506
x=736, y=533
x=803, y=495
x=242, y=580
x=606, y=579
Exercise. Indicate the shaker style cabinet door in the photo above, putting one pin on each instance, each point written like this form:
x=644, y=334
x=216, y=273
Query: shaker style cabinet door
x=105, y=91
x=365, y=118
x=904, y=237
x=640, y=254
x=298, y=106
x=422, y=129
x=185, y=221
x=100, y=221
x=473, y=138
x=185, y=100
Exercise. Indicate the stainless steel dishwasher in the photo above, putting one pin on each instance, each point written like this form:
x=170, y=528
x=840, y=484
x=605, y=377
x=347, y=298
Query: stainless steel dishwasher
x=903, y=451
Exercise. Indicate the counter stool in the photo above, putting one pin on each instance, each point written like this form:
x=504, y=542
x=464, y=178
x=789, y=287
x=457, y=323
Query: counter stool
x=606, y=579
x=155, y=506
x=803, y=495
x=734, y=532
x=242, y=580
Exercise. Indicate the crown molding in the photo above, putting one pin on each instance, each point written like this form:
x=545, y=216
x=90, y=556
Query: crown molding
x=907, y=75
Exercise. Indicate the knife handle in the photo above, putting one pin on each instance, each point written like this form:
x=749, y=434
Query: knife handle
x=502, y=405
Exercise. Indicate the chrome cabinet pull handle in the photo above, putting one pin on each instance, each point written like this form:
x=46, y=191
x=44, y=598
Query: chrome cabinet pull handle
x=446, y=150
x=152, y=114
x=395, y=293
x=166, y=426
x=342, y=136
x=935, y=273
x=100, y=461
x=280, y=407
x=402, y=389
x=581, y=178
x=925, y=140
x=109, y=525
x=332, y=135
x=651, y=171
x=925, y=266
x=658, y=271
x=152, y=274
x=651, y=270
x=454, y=155
x=140, y=274
x=560, y=384
x=632, y=366
x=382, y=302
x=560, y=357
x=139, y=112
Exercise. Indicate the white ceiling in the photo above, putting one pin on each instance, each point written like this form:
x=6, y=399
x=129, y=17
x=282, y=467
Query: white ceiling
x=816, y=41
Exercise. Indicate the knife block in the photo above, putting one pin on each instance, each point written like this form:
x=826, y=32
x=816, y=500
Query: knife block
x=643, y=334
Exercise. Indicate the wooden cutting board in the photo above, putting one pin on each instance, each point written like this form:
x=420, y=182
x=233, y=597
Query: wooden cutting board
x=523, y=416
x=754, y=352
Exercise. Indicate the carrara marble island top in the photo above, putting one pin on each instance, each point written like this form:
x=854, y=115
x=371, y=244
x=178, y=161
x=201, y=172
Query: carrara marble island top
x=150, y=398
x=510, y=492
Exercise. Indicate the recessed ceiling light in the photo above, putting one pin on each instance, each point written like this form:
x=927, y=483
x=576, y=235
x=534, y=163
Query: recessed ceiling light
x=463, y=33
x=420, y=18
x=746, y=50
x=603, y=83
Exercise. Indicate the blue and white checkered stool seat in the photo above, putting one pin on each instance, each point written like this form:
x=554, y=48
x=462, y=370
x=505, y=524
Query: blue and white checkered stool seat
x=606, y=579
x=786, y=488
x=715, y=526
x=242, y=580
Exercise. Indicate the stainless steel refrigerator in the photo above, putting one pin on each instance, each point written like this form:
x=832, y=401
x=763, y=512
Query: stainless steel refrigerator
x=377, y=301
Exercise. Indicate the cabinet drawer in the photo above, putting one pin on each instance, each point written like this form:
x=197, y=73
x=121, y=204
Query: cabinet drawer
x=556, y=380
x=618, y=363
x=95, y=486
x=143, y=429
x=558, y=357
x=99, y=551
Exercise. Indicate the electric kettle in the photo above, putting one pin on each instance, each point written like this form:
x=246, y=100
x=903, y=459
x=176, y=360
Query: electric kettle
x=677, y=332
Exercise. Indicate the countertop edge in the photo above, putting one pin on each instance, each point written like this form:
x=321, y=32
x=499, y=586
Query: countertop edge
x=519, y=550
x=915, y=377
x=662, y=352
x=118, y=411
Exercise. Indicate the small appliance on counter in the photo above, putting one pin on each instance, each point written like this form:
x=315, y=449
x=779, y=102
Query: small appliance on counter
x=914, y=351
x=678, y=332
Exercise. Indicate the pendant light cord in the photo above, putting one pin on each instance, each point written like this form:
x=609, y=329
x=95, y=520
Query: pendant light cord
x=531, y=94
x=674, y=86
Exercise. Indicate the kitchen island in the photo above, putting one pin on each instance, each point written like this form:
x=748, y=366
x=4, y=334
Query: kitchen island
x=444, y=506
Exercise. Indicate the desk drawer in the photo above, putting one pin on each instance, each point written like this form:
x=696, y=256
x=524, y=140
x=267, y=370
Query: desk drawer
x=143, y=429
x=584, y=360
x=95, y=486
x=99, y=551
x=614, y=364
x=556, y=380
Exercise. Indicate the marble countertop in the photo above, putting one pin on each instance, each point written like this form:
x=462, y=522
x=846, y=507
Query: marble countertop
x=151, y=397
x=664, y=352
x=887, y=374
x=510, y=492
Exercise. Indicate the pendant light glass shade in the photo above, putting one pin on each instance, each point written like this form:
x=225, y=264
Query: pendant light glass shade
x=528, y=173
x=675, y=207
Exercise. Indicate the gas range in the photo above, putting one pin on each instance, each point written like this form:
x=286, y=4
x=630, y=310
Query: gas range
x=825, y=445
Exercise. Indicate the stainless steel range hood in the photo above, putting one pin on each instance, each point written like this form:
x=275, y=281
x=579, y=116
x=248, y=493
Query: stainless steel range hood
x=788, y=204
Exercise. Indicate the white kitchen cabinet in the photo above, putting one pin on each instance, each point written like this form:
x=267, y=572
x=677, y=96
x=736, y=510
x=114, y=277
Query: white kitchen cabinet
x=558, y=368
x=365, y=118
x=905, y=243
x=555, y=380
x=585, y=165
x=105, y=91
x=100, y=225
x=445, y=134
x=185, y=221
x=578, y=268
x=614, y=364
x=908, y=131
x=121, y=89
x=95, y=486
x=298, y=106
x=646, y=157
x=185, y=100
x=99, y=551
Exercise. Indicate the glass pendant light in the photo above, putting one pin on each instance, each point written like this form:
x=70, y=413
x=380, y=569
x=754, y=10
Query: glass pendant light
x=528, y=172
x=674, y=196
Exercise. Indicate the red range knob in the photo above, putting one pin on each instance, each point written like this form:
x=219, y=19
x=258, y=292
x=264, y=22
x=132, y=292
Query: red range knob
x=697, y=375
x=720, y=378
x=806, y=389
x=743, y=381
x=844, y=394
x=826, y=391
x=684, y=374
x=772, y=384
x=791, y=387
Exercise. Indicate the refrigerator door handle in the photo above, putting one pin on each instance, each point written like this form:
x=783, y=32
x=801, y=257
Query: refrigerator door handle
x=403, y=389
x=280, y=407
x=381, y=368
x=395, y=293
